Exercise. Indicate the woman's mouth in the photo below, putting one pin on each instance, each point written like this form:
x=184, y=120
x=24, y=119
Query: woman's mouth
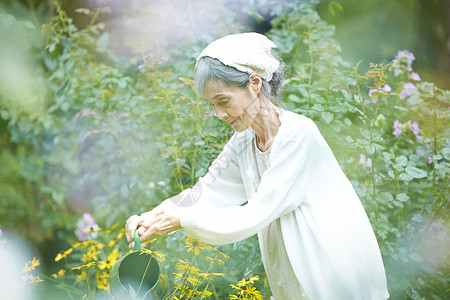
x=231, y=123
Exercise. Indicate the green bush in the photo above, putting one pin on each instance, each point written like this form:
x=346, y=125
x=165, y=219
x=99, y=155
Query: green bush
x=87, y=130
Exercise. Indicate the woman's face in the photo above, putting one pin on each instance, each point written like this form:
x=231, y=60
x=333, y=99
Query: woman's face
x=235, y=105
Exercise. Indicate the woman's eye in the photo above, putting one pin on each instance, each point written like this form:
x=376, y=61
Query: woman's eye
x=224, y=102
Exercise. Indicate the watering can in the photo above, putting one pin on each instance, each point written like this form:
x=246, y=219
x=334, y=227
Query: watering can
x=137, y=276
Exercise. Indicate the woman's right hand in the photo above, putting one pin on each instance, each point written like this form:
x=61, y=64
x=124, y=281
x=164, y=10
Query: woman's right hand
x=141, y=222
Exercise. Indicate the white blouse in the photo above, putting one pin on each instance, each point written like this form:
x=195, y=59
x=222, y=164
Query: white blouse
x=327, y=236
x=283, y=282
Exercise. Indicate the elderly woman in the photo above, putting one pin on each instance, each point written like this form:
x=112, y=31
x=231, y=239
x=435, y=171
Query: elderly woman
x=276, y=177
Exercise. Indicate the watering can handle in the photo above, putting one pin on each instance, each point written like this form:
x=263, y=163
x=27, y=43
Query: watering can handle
x=137, y=240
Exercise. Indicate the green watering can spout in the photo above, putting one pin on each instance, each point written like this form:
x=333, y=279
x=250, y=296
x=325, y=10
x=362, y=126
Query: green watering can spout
x=137, y=276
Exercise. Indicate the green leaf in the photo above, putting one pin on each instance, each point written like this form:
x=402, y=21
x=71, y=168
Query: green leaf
x=415, y=172
x=28, y=24
x=365, y=133
x=387, y=155
x=317, y=107
x=370, y=149
x=294, y=98
x=7, y=20
x=327, y=117
x=401, y=160
x=391, y=174
x=385, y=197
x=446, y=153
x=362, y=142
x=102, y=42
x=398, y=203
x=405, y=177
x=133, y=294
x=258, y=18
x=402, y=197
x=437, y=157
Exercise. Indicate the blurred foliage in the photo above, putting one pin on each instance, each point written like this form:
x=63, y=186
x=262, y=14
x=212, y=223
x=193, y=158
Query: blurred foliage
x=103, y=118
x=421, y=26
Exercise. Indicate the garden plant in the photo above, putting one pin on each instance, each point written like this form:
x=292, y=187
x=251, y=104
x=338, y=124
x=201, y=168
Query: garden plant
x=89, y=136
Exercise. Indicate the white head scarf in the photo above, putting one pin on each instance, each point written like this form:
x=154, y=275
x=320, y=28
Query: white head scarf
x=247, y=52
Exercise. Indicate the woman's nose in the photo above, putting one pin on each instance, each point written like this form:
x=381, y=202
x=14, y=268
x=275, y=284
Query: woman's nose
x=220, y=113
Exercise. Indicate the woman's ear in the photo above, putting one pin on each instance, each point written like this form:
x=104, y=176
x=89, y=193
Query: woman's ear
x=255, y=82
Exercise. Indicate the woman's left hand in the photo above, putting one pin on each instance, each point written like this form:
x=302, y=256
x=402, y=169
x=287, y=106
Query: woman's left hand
x=160, y=226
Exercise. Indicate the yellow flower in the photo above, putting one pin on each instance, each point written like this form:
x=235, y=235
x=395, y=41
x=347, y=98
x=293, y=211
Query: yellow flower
x=207, y=275
x=226, y=257
x=82, y=276
x=215, y=259
x=59, y=274
x=83, y=266
x=102, y=281
x=248, y=280
x=253, y=293
x=92, y=229
x=182, y=265
x=248, y=291
x=113, y=242
x=64, y=254
x=195, y=245
x=83, y=244
x=90, y=255
x=234, y=297
x=110, y=260
x=31, y=265
x=96, y=247
x=36, y=280
x=159, y=256
x=191, y=280
x=108, y=231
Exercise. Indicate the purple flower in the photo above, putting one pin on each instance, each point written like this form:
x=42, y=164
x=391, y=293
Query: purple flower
x=430, y=160
x=1, y=232
x=406, y=92
x=365, y=161
x=402, y=62
x=89, y=219
x=415, y=76
x=415, y=129
x=29, y=278
x=397, y=131
x=405, y=153
x=84, y=224
x=385, y=88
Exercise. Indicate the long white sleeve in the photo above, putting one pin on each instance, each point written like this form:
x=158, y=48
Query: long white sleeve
x=281, y=191
x=221, y=186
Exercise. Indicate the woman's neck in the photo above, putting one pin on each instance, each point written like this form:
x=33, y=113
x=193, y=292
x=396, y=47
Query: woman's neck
x=266, y=125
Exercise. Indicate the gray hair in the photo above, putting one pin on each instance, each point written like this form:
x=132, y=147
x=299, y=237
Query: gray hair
x=210, y=69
